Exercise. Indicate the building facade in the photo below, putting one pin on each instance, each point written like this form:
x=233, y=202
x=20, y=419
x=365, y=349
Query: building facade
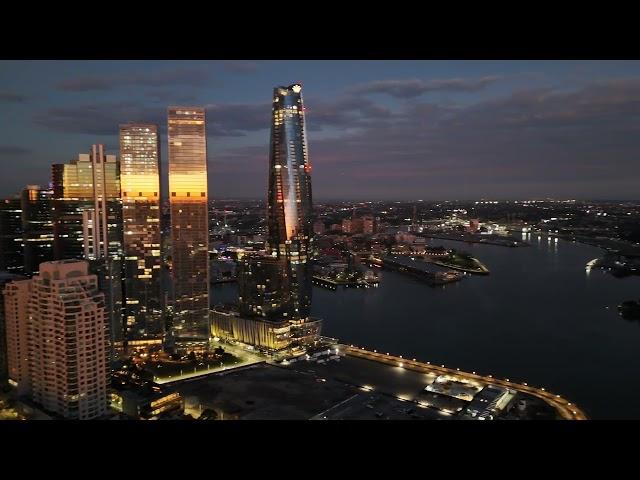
x=263, y=287
x=17, y=295
x=140, y=187
x=188, y=197
x=368, y=225
x=37, y=226
x=4, y=367
x=268, y=336
x=11, y=238
x=87, y=219
x=61, y=317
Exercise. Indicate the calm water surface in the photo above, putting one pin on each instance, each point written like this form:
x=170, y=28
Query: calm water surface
x=539, y=318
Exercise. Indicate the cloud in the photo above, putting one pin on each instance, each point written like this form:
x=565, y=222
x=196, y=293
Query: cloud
x=168, y=97
x=414, y=87
x=13, y=150
x=11, y=97
x=235, y=119
x=350, y=111
x=105, y=117
x=534, y=142
x=540, y=142
x=98, y=118
x=240, y=66
x=223, y=119
x=196, y=76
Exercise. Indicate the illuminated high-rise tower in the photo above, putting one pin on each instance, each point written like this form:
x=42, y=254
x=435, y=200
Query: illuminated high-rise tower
x=140, y=185
x=289, y=206
x=189, y=221
x=86, y=221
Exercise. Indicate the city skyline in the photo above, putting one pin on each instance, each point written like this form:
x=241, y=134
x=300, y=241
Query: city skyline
x=146, y=300
x=401, y=130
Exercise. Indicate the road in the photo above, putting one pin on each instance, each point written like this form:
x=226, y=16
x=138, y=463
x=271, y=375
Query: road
x=244, y=356
x=566, y=409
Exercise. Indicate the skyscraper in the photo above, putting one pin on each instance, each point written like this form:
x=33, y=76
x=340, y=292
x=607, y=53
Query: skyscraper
x=16, y=295
x=11, y=239
x=140, y=185
x=4, y=369
x=87, y=223
x=37, y=226
x=263, y=287
x=61, y=314
x=289, y=206
x=87, y=216
x=189, y=221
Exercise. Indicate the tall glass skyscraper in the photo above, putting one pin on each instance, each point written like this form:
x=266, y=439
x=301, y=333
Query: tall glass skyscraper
x=289, y=206
x=140, y=185
x=188, y=200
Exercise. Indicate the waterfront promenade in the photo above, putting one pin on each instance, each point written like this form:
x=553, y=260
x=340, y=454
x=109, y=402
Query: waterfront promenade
x=567, y=410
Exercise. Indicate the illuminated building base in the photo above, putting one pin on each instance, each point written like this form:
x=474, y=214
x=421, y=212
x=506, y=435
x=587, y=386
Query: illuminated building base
x=266, y=335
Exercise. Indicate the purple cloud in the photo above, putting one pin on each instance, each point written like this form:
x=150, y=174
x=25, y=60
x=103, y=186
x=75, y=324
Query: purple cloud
x=240, y=66
x=13, y=150
x=189, y=76
x=414, y=87
x=11, y=97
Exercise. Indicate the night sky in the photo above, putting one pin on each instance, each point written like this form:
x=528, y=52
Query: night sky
x=377, y=130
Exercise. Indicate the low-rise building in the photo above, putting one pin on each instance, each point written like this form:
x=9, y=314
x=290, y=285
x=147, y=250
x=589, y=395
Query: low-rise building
x=228, y=324
x=146, y=403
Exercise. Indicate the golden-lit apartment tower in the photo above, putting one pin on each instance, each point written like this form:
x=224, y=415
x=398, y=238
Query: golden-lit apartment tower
x=188, y=200
x=140, y=185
